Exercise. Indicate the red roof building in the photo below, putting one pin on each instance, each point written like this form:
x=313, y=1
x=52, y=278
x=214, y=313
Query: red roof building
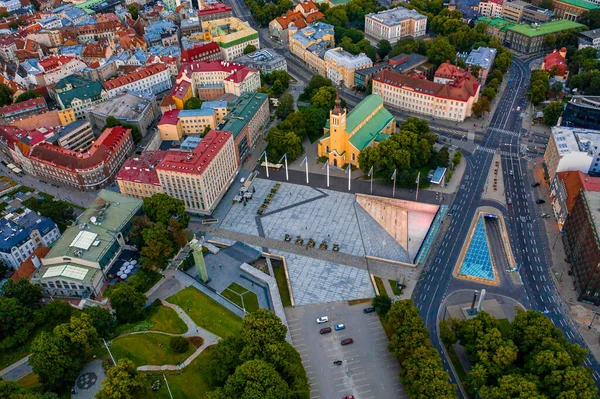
x=556, y=63
x=203, y=52
x=30, y=265
x=12, y=112
x=307, y=7
x=447, y=72
x=294, y=17
x=216, y=11
x=565, y=188
x=138, y=178
x=219, y=77
x=145, y=79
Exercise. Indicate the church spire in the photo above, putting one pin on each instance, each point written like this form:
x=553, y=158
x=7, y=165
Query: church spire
x=337, y=110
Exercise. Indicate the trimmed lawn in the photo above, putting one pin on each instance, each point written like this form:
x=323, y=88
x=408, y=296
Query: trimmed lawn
x=207, y=313
x=250, y=301
x=192, y=383
x=144, y=349
x=30, y=381
x=167, y=320
x=380, y=286
x=242, y=297
x=235, y=287
x=456, y=363
x=284, y=292
x=394, y=285
x=233, y=297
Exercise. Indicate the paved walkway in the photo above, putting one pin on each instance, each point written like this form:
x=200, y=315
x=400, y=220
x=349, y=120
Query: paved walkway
x=17, y=370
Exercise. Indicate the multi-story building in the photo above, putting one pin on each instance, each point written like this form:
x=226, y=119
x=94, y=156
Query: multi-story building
x=341, y=66
x=278, y=28
x=175, y=123
x=91, y=33
x=529, y=39
x=582, y=112
x=161, y=33
x=77, y=266
x=564, y=189
x=231, y=34
x=520, y=12
x=202, y=52
x=30, y=265
x=50, y=70
x=78, y=93
x=12, y=112
x=347, y=134
x=77, y=136
x=212, y=79
x=138, y=178
x=8, y=46
x=555, y=63
x=394, y=24
x=447, y=73
x=22, y=234
x=266, y=60
x=513, y=10
x=571, y=149
x=127, y=108
x=214, y=11
x=589, y=38
x=572, y=9
x=180, y=93
x=496, y=27
x=200, y=178
x=85, y=171
x=151, y=79
x=311, y=43
x=246, y=120
x=582, y=245
x=452, y=101
x=483, y=58
x=490, y=8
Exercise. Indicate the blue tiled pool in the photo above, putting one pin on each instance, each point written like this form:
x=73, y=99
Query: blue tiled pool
x=478, y=262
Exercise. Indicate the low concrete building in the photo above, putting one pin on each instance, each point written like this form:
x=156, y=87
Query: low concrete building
x=589, y=38
x=483, y=58
x=265, y=60
x=572, y=149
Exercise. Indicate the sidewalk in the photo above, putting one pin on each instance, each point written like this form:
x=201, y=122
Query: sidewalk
x=17, y=370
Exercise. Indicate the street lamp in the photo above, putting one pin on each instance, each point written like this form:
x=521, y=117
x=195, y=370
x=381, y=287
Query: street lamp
x=349, y=171
x=264, y=154
x=417, y=182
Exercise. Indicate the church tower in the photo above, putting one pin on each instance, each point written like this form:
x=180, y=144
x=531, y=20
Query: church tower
x=337, y=132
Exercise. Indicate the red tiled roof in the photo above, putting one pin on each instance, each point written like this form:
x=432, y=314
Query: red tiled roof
x=180, y=89
x=12, y=85
x=141, y=169
x=313, y=16
x=198, y=160
x=216, y=9
x=32, y=103
x=292, y=16
x=54, y=62
x=196, y=52
x=27, y=268
x=555, y=59
x=460, y=90
x=170, y=117
x=139, y=74
x=574, y=181
x=308, y=6
x=232, y=68
x=106, y=26
x=449, y=71
x=7, y=40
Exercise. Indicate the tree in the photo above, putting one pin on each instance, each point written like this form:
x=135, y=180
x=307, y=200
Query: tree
x=27, y=294
x=111, y=121
x=158, y=247
x=249, y=49
x=224, y=358
x=161, y=208
x=315, y=83
x=314, y=118
x=260, y=332
x=448, y=330
x=324, y=98
x=57, y=312
x=552, y=112
x=441, y=50
x=133, y=10
x=474, y=70
x=382, y=304
x=549, y=41
x=442, y=157
x=253, y=379
x=179, y=344
x=549, y=5
x=28, y=95
x=15, y=322
x=102, y=320
x=80, y=332
x=193, y=103
x=480, y=106
x=59, y=211
x=286, y=106
x=590, y=18
x=138, y=225
x=512, y=386
x=123, y=382
x=205, y=132
x=128, y=303
x=383, y=48
x=5, y=95
x=457, y=158
x=14, y=390
x=281, y=142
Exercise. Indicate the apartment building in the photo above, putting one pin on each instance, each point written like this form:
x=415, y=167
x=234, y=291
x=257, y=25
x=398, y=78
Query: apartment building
x=202, y=52
x=12, y=112
x=589, y=38
x=311, y=43
x=77, y=136
x=94, y=32
x=200, y=178
x=572, y=149
x=490, y=8
x=451, y=101
x=78, y=93
x=304, y=13
x=394, y=24
x=231, y=34
x=341, y=66
x=151, y=79
x=176, y=123
x=138, y=178
x=214, y=11
x=565, y=188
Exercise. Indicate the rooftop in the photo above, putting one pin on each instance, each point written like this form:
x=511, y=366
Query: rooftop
x=592, y=199
x=499, y=23
x=375, y=123
x=242, y=112
x=394, y=16
x=344, y=58
x=581, y=4
x=591, y=34
x=123, y=106
x=545, y=28
x=229, y=31
x=141, y=169
x=132, y=77
x=236, y=72
x=483, y=57
x=96, y=228
x=24, y=106
x=574, y=181
x=28, y=267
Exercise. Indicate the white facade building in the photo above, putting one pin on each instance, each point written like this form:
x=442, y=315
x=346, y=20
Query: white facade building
x=573, y=149
x=394, y=24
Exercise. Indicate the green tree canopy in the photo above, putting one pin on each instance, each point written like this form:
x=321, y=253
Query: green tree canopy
x=249, y=49
x=123, y=382
x=133, y=10
x=14, y=390
x=591, y=19
x=383, y=48
x=193, y=103
x=281, y=142
x=315, y=83
x=253, y=379
x=161, y=208
x=5, y=95
x=285, y=107
x=102, y=320
x=552, y=112
x=382, y=304
x=28, y=95
x=27, y=294
x=324, y=97
x=128, y=303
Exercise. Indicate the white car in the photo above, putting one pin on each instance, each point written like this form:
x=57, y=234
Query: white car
x=322, y=319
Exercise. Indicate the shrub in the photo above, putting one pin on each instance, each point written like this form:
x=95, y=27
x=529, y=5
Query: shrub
x=179, y=344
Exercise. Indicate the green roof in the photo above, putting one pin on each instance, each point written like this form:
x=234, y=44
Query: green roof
x=581, y=4
x=242, y=112
x=82, y=88
x=545, y=28
x=373, y=127
x=339, y=2
x=499, y=23
x=110, y=212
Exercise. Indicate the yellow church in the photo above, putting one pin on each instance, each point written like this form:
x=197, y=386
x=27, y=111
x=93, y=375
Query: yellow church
x=346, y=135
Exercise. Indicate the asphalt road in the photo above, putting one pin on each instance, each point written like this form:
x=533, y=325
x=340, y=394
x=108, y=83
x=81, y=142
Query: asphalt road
x=526, y=233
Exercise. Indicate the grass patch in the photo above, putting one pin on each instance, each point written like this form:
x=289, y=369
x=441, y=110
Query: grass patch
x=460, y=371
x=233, y=297
x=192, y=383
x=31, y=380
x=380, y=286
x=282, y=285
x=394, y=285
x=250, y=301
x=144, y=349
x=235, y=287
x=166, y=320
x=353, y=302
x=207, y=313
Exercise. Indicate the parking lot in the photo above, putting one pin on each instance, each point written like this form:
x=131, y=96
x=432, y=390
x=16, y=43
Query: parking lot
x=368, y=370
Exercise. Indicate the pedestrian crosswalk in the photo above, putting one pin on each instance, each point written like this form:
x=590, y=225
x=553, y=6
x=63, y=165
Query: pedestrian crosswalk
x=494, y=151
x=503, y=131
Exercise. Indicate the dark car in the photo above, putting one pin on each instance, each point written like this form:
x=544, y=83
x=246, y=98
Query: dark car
x=368, y=310
x=536, y=184
x=325, y=330
x=348, y=397
x=347, y=341
x=540, y=201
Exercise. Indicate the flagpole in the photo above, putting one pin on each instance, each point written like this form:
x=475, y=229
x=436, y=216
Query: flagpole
x=266, y=163
x=306, y=165
x=394, y=178
x=286, y=170
x=327, y=165
x=349, y=175
x=371, y=176
x=418, y=179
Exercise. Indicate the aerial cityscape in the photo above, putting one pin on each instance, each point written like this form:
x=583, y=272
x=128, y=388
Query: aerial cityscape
x=299, y=199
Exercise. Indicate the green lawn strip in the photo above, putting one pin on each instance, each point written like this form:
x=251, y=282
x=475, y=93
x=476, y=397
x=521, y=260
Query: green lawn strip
x=233, y=297
x=207, y=313
x=144, y=349
x=235, y=287
x=167, y=320
x=353, y=302
x=380, y=286
x=191, y=383
x=30, y=381
x=284, y=292
x=394, y=285
x=456, y=363
x=250, y=301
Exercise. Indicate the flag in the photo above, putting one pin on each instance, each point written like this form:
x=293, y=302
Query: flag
x=418, y=178
x=394, y=174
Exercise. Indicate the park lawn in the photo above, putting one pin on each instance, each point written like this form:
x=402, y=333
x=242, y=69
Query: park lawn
x=192, y=383
x=166, y=320
x=207, y=313
x=380, y=286
x=250, y=301
x=284, y=292
x=143, y=349
x=233, y=297
x=30, y=381
x=394, y=285
x=235, y=287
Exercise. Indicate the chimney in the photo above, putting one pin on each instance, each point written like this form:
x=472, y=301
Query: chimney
x=36, y=261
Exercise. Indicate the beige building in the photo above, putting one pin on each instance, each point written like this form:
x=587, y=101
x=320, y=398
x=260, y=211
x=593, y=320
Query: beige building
x=200, y=178
x=394, y=24
x=452, y=101
x=77, y=136
x=138, y=178
x=178, y=123
x=341, y=66
x=231, y=34
x=311, y=43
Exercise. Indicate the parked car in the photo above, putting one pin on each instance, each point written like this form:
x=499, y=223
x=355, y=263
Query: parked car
x=368, y=310
x=339, y=327
x=325, y=330
x=509, y=200
x=322, y=319
x=348, y=397
x=536, y=184
x=347, y=341
x=540, y=201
